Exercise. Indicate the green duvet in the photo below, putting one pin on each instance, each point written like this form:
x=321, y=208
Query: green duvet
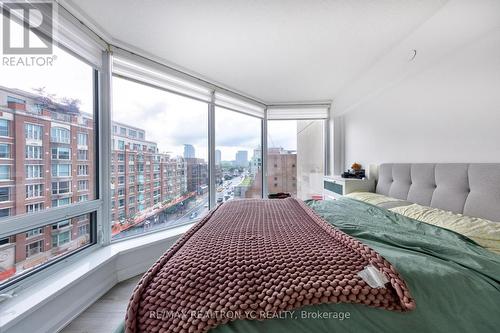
x=454, y=281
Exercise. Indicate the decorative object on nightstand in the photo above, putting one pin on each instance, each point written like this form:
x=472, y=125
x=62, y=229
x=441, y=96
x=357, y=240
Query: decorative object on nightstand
x=337, y=186
x=356, y=171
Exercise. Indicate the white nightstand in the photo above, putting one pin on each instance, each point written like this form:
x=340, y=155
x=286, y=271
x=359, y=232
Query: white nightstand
x=336, y=186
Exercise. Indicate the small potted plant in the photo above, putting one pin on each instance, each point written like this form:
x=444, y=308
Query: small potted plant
x=356, y=166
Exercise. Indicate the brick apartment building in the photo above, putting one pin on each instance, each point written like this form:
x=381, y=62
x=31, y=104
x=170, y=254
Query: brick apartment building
x=281, y=173
x=46, y=160
x=197, y=175
x=141, y=177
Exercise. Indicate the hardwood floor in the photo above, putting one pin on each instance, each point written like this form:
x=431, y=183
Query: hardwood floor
x=105, y=315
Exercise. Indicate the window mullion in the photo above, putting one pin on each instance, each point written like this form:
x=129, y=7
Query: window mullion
x=20, y=223
x=104, y=215
x=212, y=193
x=263, y=158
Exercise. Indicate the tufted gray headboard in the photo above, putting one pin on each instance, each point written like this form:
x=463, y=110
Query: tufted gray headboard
x=469, y=189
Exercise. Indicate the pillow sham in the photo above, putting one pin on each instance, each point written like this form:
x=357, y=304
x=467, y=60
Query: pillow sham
x=485, y=233
x=377, y=199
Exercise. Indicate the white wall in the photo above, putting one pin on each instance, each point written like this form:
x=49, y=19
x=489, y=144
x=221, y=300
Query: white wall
x=446, y=111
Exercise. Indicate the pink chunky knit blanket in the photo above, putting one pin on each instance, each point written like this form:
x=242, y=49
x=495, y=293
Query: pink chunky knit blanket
x=249, y=258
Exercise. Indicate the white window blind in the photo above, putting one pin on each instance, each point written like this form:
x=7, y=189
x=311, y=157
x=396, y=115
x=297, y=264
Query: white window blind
x=78, y=38
x=133, y=67
x=240, y=105
x=298, y=112
x=66, y=31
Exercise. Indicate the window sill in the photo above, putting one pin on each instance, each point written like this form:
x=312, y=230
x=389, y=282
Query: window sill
x=53, y=301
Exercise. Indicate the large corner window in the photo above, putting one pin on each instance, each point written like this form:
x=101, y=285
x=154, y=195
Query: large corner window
x=43, y=110
x=159, y=167
x=296, y=151
x=238, y=155
x=47, y=107
x=159, y=173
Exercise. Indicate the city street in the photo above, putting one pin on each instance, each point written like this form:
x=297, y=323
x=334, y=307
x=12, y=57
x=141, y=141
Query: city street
x=227, y=189
x=194, y=210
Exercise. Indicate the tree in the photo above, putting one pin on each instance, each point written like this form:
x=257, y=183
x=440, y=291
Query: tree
x=44, y=98
x=72, y=103
x=47, y=100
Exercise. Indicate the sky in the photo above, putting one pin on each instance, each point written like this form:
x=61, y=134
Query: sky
x=169, y=120
x=68, y=77
x=172, y=121
x=282, y=133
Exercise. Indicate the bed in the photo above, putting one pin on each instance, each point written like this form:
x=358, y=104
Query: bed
x=454, y=281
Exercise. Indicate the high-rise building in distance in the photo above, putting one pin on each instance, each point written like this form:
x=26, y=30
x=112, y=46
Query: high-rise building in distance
x=218, y=157
x=189, y=151
x=242, y=158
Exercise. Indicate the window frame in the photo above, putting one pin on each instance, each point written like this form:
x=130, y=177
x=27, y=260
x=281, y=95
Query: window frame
x=57, y=154
x=82, y=167
x=34, y=188
x=58, y=137
x=40, y=242
x=35, y=207
x=326, y=136
x=29, y=175
x=57, y=168
x=56, y=190
x=8, y=151
x=82, y=153
x=29, y=150
x=22, y=223
x=81, y=135
x=30, y=129
x=69, y=199
x=85, y=188
x=9, y=173
x=8, y=195
x=118, y=155
x=82, y=198
x=263, y=142
x=33, y=233
x=8, y=209
x=5, y=130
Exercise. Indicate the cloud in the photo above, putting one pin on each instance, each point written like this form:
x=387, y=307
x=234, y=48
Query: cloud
x=233, y=129
x=68, y=77
x=282, y=133
x=172, y=121
x=168, y=119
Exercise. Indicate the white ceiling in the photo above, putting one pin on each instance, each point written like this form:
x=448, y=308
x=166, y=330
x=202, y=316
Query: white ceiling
x=275, y=51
